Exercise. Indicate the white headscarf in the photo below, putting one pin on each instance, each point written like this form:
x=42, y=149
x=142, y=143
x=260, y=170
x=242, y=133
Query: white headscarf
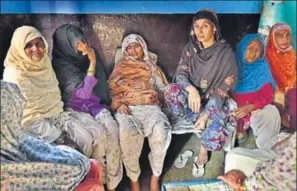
x=36, y=80
x=134, y=38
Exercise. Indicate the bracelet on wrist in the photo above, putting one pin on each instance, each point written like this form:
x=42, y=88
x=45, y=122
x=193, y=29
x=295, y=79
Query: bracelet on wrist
x=91, y=71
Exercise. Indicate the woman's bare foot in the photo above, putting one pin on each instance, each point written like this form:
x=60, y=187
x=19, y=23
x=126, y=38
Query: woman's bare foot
x=201, y=121
x=135, y=186
x=155, y=183
x=202, y=157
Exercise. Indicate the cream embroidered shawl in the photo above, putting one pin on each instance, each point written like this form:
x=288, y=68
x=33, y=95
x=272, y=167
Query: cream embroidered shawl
x=36, y=80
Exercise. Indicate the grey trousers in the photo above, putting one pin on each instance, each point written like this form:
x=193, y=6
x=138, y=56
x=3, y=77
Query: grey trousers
x=144, y=121
x=112, y=165
x=266, y=124
x=96, y=138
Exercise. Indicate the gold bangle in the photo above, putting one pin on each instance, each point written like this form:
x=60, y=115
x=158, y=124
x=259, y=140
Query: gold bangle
x=91, y=71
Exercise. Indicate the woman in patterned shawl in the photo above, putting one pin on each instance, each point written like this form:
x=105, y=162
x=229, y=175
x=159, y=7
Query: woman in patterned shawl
x=30, y=164
x=206, y=72
x=274, y=170
x=136, y=84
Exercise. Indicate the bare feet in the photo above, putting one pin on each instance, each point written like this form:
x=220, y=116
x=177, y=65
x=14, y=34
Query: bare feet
x=202, y=158
x=155, y=183
x=135, y=186
x=201, y=121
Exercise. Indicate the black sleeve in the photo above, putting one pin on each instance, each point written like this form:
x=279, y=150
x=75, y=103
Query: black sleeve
x=69, y=79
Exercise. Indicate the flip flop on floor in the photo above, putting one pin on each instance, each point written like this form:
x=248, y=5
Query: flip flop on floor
x=199, y=133
x=182, y=159
x=198, y=170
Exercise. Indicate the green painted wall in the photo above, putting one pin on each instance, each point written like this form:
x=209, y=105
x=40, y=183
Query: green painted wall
x=278, y=11
x=290, y=17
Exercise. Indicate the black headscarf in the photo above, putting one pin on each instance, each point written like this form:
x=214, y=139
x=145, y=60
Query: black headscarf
x=213, y=18
x=207, y=68
x=71, y=66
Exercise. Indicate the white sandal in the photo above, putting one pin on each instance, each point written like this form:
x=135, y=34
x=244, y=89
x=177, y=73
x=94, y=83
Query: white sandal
x=198, y=170
x=182, y=159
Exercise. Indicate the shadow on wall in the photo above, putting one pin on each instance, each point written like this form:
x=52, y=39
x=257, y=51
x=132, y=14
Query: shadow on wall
x=166, y=35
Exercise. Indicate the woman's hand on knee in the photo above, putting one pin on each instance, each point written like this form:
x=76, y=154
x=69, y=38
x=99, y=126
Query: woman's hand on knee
x=194, y=99
x=243, y=111
x=124, y=109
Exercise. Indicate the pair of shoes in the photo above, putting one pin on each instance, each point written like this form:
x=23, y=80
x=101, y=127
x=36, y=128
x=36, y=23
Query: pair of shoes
x=182, y=159
x=198, y=169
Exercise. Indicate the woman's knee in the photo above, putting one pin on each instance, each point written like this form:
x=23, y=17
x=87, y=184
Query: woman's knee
x=161, y=131
x=269, y=113
x=126, y=129
x=272, y=113
x=172, y=91
x=112, y=129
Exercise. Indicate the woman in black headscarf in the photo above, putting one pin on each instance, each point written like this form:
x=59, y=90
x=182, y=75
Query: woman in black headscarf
x=71, y=65
x=83, y=83
x=206, y=72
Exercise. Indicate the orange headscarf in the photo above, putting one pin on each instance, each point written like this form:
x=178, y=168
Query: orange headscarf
x=282, y=62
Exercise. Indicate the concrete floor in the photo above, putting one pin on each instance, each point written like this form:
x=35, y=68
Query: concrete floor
x=180, y=143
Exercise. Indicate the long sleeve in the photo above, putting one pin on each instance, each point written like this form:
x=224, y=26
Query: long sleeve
x=86, y=90
x=69, y=79
x=182, y=72
x=260, y=98
x=231, y=76
x=101, y=88
x=217, y=97
x=277, y=174
x=264, y=96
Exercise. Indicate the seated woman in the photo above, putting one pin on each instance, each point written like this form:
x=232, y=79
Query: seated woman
x=206, y=72
x=282, y=59
x=254, y=93
x=278, y=173
x=134, y=84
x=30, y=164
x=77, y=66
x=28, y=66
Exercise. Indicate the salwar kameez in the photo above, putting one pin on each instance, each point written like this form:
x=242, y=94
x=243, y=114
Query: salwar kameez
x=212, y=72
x=28, y=163
x=220, y=124
x=88, y=93
x=144, y=121
x=145, y=117
x=256, y=87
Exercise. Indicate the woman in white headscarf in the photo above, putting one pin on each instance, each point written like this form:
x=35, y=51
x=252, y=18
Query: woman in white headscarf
x=27, y=65
x=136, y=84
